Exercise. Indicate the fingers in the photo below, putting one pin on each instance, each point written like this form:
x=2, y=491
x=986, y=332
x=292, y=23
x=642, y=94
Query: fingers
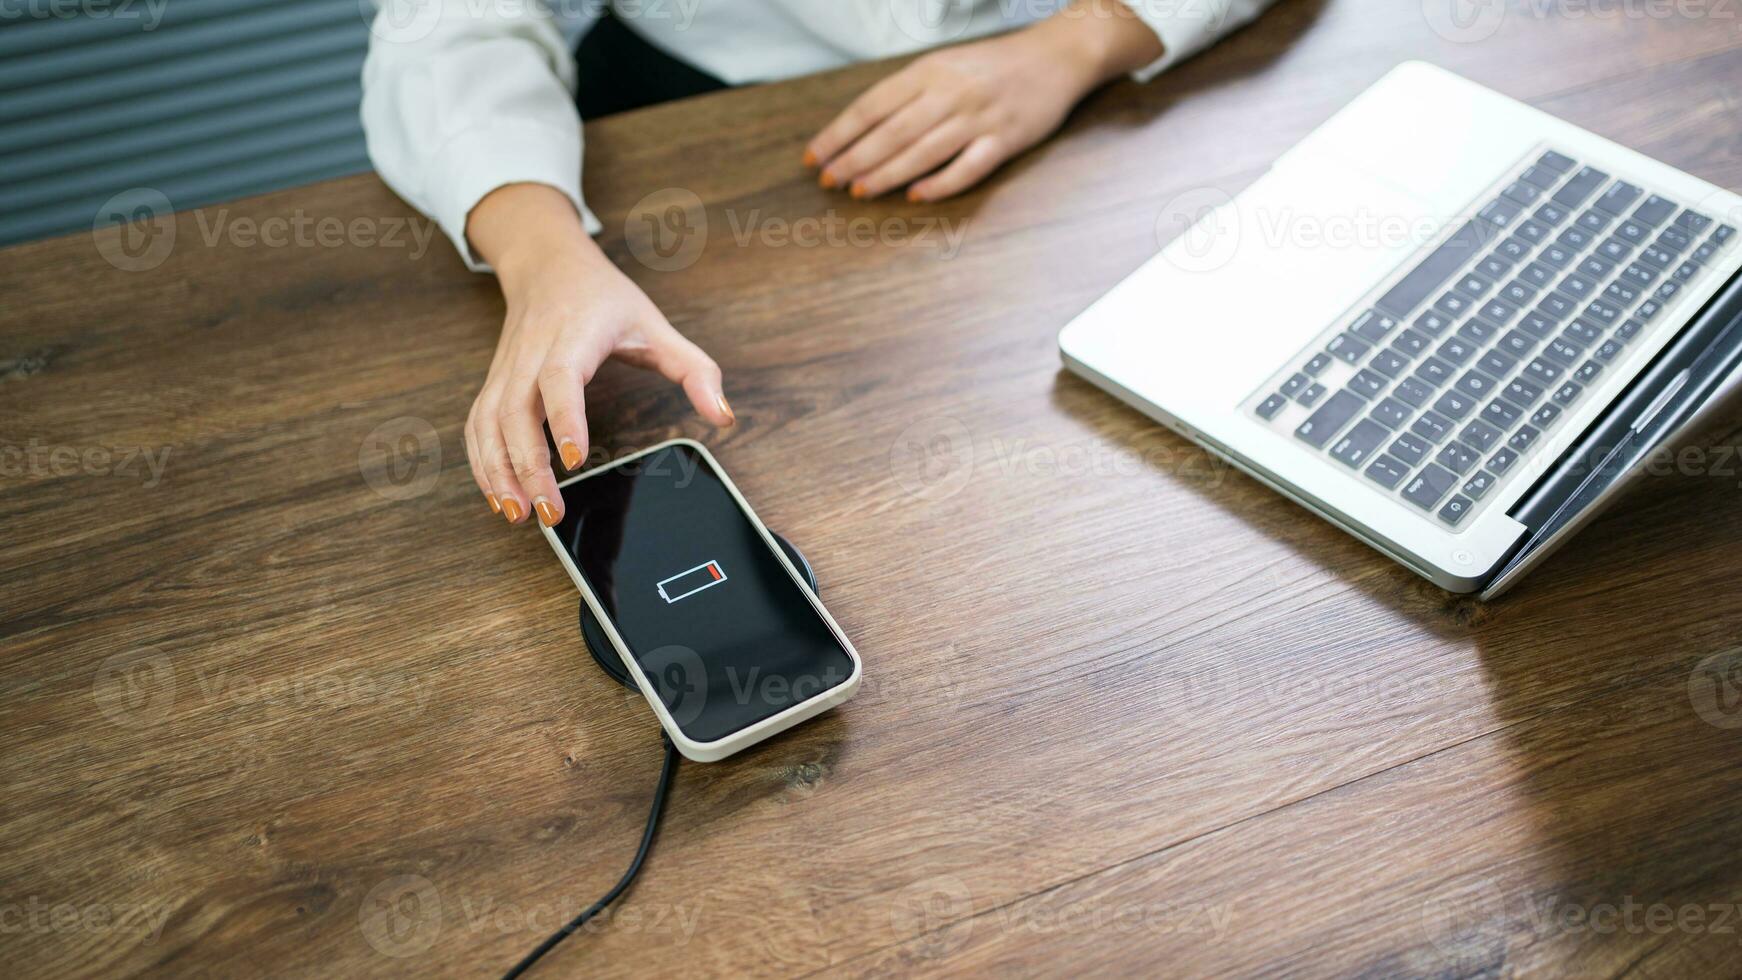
x=522, y=420
x=562, y=384
x=922, y=157
x=477, y=464
x=971, y=166
x=885, y=140
x=876, y=104
x=512, y=502
x=683, y=363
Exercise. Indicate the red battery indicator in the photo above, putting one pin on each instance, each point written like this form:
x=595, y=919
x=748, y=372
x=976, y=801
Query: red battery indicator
x=690, y=581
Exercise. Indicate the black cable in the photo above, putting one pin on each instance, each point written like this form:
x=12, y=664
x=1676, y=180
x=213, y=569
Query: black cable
x=665, y=772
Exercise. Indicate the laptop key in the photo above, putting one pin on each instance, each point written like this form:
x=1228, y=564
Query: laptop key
x=1498, y=311
x=1639, y=276
x=1318, y=363
x=1594, y=221
x=1502, y=460
x=1347, y=348
x=1722, y=234
x=1457, y=457
x=1579, y=187
x=1576, y=286
x=1452, y=304
x=1560, y=163
x=1474, y=286
x=1656, y=256
x=1596, y=267
x=1497, y=363
x=1412, y=392
x=1705, y=252
x=1367, y=384
x=1523, y=439
x=1574, y=238
x=1556, y=307
x=1494, y=266
x=1427, y=487
x=1539, y=177
x=1431, y=426
x=1536, y=325
x=1479, y=435
x=1686, y=271
x=1618, y=198
x=1563, y=351
x=1455, y=509
x=1692, y=222
x=1606, y=351
x=1387, y=472
x=1329, y=419
x=1513, y=248
x=1433, y=322
x=1269, y=407
x=1536, y=274
x=1409, y=448
x=1479, y=484
x=1311, y=394
x=1520, y=391
x=1587, y=372
x=1518, y=292
x=1647, y=310
x=1667, y=291
x=1608, y=312
x=1516, y=343
x=1431, y=272
x=1542, y=372
x=1390, y=413
x=1632, y=232
x=1629, y=330
x=1362, y=439
x=1294, y=384
x=1675, y=240
x=1568, y=393
x=1550, y=214
x=1477, y=332
x=1583, y=331
x=1614, y=249
x=1456, y=350
x=1557, y=255
x=1372, y=326
x=1500, y=212
x=1434, y=372
x=1620, y=293
x=1454, y=405
x=1547, y=415
x=1410, y=343
x=1533, y=231
x=1655, y=211
x=1389, y=363
x=1522, y=192
x=1500, y=413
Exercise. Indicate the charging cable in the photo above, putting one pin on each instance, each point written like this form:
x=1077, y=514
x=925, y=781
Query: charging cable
x=665, y=772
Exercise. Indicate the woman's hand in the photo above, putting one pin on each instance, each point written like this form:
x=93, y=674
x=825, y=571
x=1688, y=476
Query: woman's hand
x=957, y=113
x=569, y=308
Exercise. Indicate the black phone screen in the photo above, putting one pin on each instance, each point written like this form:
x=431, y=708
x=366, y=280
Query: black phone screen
x=723, y=632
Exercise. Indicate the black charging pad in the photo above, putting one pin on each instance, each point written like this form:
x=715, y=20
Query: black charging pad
x=606, y=657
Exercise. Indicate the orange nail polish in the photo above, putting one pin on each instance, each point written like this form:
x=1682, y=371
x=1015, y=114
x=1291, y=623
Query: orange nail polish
x=810, y=158
x=495, y=505
x=546, y=512
x=570, y=453
x=726, y=407
x=858, y=191
x=511, y=510
x=914, y=197
x=826, y=181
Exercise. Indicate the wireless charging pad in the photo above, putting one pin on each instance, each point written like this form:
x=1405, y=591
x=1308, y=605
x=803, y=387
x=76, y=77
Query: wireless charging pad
x=606, y=657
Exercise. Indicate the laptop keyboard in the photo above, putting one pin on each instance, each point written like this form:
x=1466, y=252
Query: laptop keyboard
x=1445, y=386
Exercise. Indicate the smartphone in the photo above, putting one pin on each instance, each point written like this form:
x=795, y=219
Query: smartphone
x=717, y=628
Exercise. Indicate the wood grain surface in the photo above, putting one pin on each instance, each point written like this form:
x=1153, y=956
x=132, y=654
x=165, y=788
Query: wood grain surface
x=281, y=696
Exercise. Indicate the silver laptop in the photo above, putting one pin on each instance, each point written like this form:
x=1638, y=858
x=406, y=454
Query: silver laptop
x=1449, y=323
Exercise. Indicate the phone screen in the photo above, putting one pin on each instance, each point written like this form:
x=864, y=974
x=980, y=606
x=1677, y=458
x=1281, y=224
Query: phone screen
x=723, y=632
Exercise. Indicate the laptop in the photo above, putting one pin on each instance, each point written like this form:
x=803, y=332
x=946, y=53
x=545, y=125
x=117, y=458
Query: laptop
x=1449, y=323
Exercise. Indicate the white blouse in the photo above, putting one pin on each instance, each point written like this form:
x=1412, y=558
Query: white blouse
x=463, y=96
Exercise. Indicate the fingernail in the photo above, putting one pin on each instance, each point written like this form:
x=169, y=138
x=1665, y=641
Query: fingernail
x=858, y=191
x=546, y=513
x=511, y=510
x=826, y=181
x=725, y=406
x=570, y=453
x=495, y=505
x=810, y=158
x=914, y=196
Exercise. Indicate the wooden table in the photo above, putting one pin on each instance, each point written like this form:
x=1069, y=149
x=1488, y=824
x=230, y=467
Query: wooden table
x=289, y=699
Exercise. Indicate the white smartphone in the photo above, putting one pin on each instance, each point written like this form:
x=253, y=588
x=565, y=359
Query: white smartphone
x=716, y=627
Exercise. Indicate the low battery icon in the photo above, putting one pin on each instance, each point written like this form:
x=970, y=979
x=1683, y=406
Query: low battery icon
x=687, y=583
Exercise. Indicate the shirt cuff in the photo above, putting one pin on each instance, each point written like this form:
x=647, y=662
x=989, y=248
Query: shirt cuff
x=478, y=161
x=1185, y=27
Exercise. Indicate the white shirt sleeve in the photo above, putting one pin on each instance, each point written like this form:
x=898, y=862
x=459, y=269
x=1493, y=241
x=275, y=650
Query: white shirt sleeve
x=460, y=98
x=1189, y=26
